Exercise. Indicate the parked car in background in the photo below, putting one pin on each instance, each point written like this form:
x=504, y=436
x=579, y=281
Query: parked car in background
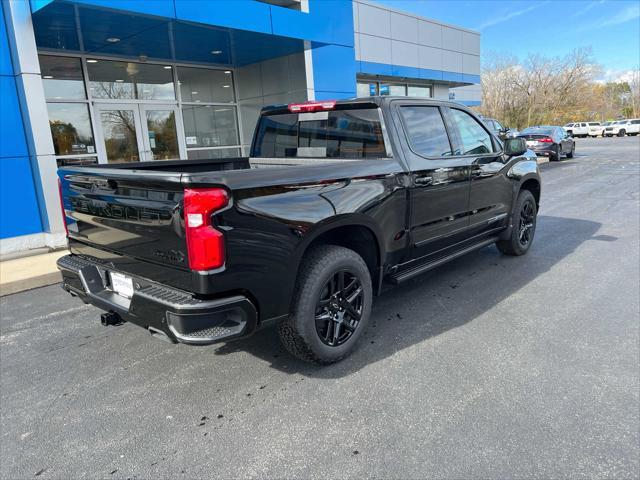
x=549, y=140
x=583, y=129
x=594, y=129
x=604, y=126
x=616, y=128
x=499, y=130
x=628, y=127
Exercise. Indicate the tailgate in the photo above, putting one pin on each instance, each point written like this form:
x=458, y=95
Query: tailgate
x=125, y=215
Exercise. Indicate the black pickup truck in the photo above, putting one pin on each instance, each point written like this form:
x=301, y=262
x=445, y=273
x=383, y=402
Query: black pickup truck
x=336, y=199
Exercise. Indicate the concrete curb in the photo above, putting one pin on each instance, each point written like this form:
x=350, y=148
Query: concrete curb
x=29, y=272
x=30, y=283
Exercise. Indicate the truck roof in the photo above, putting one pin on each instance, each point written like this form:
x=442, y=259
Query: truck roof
x=361, y=102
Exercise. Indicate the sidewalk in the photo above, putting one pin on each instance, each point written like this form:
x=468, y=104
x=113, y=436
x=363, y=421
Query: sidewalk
x=29, y=272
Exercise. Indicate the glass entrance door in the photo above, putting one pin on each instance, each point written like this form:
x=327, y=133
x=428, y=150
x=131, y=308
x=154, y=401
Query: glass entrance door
x=119, y=133
x=137, y=132
x=160, y=132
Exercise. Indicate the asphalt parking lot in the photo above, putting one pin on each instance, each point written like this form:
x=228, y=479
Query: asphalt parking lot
x=489, y=367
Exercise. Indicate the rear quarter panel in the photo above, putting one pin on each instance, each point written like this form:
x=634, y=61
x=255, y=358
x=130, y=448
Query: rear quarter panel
x=269, y=226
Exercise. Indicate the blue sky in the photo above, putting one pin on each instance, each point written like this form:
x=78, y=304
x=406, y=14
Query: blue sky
x=549, y=28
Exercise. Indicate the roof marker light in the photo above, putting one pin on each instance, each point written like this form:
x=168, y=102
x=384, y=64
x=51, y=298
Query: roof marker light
x=312, y=106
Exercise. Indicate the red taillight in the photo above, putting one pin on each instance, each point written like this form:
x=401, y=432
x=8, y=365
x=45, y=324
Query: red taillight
x=312, y=106
x=546, y=140
x=205, y=244
x=64, y=213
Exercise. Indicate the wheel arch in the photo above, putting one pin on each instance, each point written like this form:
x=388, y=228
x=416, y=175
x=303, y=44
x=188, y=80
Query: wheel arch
x=533, y=185
x=354, y=231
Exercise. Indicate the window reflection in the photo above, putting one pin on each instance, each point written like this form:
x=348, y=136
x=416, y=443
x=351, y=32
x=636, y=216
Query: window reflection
x=213, y=153
x=129, y=80
x=70, y=128
x=209, y=126
x=419, y=91
x=163, y=140
x=62, y=78
x=201, y=85
x=120, y=136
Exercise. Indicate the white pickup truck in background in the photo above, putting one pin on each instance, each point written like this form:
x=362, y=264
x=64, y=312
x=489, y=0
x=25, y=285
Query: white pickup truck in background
x=584, y=129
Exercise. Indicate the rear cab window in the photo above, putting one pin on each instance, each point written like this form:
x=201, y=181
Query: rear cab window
x=354, y=133
x=425, y=131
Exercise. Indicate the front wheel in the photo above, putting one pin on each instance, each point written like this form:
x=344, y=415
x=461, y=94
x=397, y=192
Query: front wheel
x=331, y=306
x=523, y=228
x=573, y=149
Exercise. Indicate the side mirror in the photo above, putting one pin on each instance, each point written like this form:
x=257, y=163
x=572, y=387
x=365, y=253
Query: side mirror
x=514, y=147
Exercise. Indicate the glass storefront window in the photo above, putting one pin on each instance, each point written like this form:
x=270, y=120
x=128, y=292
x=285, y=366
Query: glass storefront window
x=129, y=80
x=71, y=128
x=76, y=161
x=209, y=126
x=200, y=85
x=397, y=90
x=213, y=153
x=62, y=78
x=163, y=139
x=366, y=89
x=419, y=91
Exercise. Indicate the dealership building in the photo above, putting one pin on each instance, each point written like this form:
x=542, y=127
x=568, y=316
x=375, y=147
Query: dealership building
x=112, y=81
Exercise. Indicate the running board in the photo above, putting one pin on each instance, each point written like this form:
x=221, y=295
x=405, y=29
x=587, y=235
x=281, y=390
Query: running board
x=425, y=267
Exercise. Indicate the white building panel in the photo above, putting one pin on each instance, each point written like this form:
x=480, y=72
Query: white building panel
x=404, y=28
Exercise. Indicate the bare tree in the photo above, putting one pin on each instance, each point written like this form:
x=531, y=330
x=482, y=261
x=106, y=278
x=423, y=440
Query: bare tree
x=538, y=90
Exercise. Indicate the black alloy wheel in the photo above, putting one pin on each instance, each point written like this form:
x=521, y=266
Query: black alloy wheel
x=339, y=308
x=526, y=222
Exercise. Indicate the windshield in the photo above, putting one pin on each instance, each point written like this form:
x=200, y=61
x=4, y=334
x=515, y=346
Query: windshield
x=354, y=133
x=537, y=131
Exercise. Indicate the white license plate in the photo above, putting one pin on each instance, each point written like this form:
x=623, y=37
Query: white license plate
x=122, y=284
x=532, y=144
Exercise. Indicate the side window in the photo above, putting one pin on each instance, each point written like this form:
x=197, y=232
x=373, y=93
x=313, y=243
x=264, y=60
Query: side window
x=475, y=139
x=426, y=131
x=497, y=125
x=583, y=124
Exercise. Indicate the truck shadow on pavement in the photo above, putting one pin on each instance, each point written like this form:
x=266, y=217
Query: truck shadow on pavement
x=438, y=301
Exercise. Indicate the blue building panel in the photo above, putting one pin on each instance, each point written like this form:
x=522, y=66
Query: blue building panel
x=12, y=138
x=241, y=14
x=19, y=213
x=328, y=21
x=6, y=68
x=334, y=71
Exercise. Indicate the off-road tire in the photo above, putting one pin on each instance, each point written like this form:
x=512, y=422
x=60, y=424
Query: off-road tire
x=512, y=245
x=298, y=332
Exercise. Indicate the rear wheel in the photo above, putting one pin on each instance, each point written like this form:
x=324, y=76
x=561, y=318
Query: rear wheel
x=331, y=307
x=556, y=155
x=524, y=226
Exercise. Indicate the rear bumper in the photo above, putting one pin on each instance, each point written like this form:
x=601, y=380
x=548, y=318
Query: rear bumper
x=162, y=310
x=544, y=150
